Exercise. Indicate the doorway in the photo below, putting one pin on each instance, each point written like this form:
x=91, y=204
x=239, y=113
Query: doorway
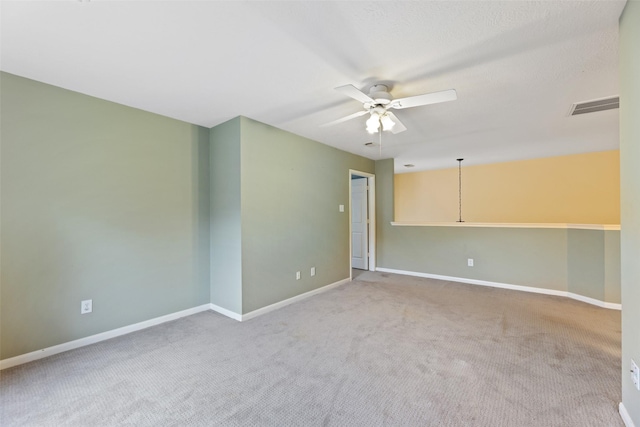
x=362, y=220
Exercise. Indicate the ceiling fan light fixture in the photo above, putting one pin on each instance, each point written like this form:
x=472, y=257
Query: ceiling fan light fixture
x=387, y=123
x=373, y=123
x=379, y=101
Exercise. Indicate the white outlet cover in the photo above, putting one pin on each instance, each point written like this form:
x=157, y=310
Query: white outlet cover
x=86, y=306
x=341, y=208
x=313, y=271
x=470, y=262
x=297, y=275
x=635, y=375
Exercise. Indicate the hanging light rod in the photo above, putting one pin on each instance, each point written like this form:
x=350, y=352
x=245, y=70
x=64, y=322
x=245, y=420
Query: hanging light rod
x=459, y=190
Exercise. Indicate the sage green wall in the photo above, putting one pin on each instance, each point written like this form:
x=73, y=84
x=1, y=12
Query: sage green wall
x=99, y=201
x=384, y=212
x=630, y=196
x=593, y=258
x=517, y=256
x=585, y=262
x=612, y=282
x=226, y=249
x=291, y=189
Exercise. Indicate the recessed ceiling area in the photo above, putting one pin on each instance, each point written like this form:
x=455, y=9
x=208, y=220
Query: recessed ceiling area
x=517, y=67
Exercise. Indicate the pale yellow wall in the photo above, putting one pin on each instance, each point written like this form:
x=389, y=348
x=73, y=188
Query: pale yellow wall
x=580, y=188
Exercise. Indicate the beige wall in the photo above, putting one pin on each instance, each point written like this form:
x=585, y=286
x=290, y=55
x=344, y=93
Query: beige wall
x=580, y=188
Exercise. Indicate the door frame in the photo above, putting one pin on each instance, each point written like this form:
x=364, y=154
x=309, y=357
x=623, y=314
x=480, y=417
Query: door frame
x=371, y=195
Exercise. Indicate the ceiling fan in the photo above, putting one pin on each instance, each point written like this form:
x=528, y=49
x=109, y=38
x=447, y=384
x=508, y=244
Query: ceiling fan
x=379, y=101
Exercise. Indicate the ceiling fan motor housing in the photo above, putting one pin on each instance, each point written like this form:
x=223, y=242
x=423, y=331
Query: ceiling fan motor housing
x=380, y=94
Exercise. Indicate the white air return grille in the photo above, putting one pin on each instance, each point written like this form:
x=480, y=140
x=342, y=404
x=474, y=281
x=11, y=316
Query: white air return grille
x=595, y=105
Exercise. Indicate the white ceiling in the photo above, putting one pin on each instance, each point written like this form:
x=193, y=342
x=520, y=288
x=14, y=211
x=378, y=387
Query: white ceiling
x=517, y=67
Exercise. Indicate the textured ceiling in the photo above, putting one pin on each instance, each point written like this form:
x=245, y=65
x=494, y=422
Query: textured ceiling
x=517, y=67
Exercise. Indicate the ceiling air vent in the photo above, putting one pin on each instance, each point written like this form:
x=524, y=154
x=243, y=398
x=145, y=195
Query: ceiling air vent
x=595, y=105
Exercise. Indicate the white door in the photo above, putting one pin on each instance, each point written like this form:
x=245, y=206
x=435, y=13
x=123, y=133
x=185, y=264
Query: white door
x=359, y=224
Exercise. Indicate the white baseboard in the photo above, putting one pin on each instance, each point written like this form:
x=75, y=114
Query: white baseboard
x=291, y=300
x=626, y=418
x=225, y=312
x=594, y=301
x=50, y=351
x=277, y=305
x=544, y=291
x=612, y=305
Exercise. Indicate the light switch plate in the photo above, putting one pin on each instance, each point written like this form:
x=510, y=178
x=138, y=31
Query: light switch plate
x=635, y=375
x=341, y=208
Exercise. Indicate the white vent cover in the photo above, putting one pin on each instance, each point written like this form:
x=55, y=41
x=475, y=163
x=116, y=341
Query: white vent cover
x=595, y=105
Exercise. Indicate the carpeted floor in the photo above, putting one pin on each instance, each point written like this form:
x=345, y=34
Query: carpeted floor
x=383, y=350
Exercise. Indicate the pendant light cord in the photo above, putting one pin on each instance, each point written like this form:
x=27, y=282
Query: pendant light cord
x=460, y=190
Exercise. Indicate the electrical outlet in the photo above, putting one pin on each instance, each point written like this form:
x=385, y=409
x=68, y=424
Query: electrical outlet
x=86, y=306
x=635, y=375
x=297, y=275
x=341, y=208
x=313, y=271
x=470, y=262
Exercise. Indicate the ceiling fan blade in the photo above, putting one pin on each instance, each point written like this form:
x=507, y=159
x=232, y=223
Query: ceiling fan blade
x=399, y=127
x=353, y=92
x=344, y=119
x=426, y=99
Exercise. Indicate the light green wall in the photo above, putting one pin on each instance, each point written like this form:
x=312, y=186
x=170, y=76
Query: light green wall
x=612, y=280
x=384, y=212
x=586, y=266
x=226, y=250
x=518, y=256
x=291, y=189
x=584, y=262
x=630, y=196
x=99, y=201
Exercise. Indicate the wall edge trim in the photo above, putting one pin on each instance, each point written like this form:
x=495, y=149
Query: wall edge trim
x=291, y=300
x=531, y=289
x=102, y=336
x=626, y=418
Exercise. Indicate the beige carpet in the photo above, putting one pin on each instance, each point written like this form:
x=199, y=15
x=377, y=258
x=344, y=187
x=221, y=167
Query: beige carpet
x=384, y=350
